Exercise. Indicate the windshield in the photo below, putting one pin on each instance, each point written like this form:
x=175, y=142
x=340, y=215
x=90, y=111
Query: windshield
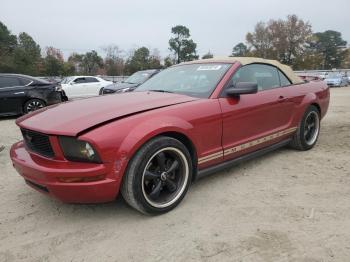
x=198, y=80
x=137, y=78
x=334, y=75
x=66, y=80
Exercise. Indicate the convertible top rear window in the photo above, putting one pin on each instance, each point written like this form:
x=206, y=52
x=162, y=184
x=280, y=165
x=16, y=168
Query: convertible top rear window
x=197, y=80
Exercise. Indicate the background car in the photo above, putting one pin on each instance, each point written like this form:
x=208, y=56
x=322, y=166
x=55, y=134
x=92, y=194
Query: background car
x=23, y=94
x=348, y=77
x=335, y=79
x=131, y=83
x=83, y=86
x=322, y=75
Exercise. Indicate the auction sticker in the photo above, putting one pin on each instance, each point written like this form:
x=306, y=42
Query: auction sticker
x=208, y=67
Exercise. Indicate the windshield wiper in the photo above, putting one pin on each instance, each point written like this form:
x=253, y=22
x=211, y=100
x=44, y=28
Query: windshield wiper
x=160, y=90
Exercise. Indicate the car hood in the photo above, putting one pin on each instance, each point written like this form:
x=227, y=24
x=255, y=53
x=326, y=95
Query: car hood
x=333, y=79
x=74, y=117
x=121, y=85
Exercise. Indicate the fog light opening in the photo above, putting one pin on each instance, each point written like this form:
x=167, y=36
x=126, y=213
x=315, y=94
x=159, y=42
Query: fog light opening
x=81, y=179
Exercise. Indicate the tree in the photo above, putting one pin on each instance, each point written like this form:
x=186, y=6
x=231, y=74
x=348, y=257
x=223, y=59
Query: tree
x=53, y=62
x=154, y=59
x=207, y=55
x=8, y=43
x=27, y=55
x=260, y=40
x=114, y=62
x=68, y=69
x=290, y=37
x=91, y=63
x=141, y=59
x=310, y=59
x=183, y=47
x=283, y=40
x=346, y=59
x=331, y=45
x=168, y=61
x=138, y=60
x=75, y=60
x=240, y=50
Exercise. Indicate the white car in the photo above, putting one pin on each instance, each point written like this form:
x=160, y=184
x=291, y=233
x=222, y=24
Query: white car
x=83, y=86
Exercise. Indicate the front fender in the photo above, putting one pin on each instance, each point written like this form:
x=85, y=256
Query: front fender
x=144, y=131
x=117, y=142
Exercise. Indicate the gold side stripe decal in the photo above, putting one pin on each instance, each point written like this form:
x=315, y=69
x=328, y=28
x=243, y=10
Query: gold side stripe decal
x=246, y=145
x=210, y=157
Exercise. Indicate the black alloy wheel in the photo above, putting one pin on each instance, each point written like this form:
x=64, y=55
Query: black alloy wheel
x=311, y=127
x=165, y=177
x=33, y=104
x=158, y=176
x=308, y=130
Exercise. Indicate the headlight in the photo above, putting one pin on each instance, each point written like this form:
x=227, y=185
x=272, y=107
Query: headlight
x=108, y=91
x=58, y=88
x=78, y=150
x=123, y=90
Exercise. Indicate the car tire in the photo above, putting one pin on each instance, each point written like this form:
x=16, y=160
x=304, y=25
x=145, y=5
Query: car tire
x=32, y=105
x=308, y=130
x=100, y=93
x=158, y=176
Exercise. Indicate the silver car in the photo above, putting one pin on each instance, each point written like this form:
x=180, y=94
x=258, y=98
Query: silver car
x=335, y=79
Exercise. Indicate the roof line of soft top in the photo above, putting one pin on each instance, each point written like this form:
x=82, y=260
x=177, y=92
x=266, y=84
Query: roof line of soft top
x=250, y=60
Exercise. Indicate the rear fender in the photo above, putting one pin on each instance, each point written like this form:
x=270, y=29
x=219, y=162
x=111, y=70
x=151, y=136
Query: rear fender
x=37, y=94
x=308, y=99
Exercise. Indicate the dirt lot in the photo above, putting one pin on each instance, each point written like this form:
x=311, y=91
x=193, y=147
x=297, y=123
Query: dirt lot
x=285, y=206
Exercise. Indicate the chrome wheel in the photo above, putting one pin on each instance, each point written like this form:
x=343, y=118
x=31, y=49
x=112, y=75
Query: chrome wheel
x=311, y=128
x=165, y=177
x=33, y=105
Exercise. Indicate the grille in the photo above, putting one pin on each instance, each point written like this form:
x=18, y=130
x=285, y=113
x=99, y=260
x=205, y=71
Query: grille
x=38, y=143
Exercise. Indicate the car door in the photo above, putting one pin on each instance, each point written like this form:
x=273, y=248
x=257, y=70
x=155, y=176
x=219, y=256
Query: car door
x=93, y=86
x=12, y=94
x=76, y=88
x=253, y=121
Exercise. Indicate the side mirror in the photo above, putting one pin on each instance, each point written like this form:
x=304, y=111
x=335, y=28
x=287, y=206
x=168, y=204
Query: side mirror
x=242, y=88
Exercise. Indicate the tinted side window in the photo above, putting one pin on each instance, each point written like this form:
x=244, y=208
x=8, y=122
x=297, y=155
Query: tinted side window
x=9, y=81
x=264, y=75
x=91, y=80
x=284, y=80
x=79, y=80
x=25, y=81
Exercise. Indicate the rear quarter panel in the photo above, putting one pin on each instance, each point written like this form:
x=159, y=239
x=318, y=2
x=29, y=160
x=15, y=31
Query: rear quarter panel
x=303, y=95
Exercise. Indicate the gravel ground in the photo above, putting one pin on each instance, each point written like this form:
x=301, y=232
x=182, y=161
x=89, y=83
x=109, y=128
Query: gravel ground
x=285, y=206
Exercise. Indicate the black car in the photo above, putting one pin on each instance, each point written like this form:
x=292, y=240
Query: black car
x=131, y=83
x=20, y=94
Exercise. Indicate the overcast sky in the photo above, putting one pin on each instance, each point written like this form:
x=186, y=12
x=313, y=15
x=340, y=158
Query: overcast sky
x=82, y=25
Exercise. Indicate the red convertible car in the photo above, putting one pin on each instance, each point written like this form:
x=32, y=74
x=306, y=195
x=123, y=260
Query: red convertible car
x=189, y=120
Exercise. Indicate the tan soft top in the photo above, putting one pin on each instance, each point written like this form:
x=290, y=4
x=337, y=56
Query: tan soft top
x=252, y=60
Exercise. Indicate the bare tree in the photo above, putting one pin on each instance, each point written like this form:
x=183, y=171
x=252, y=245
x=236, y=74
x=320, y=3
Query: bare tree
x=284, y=40
x=260, y=40
x=114, y=61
